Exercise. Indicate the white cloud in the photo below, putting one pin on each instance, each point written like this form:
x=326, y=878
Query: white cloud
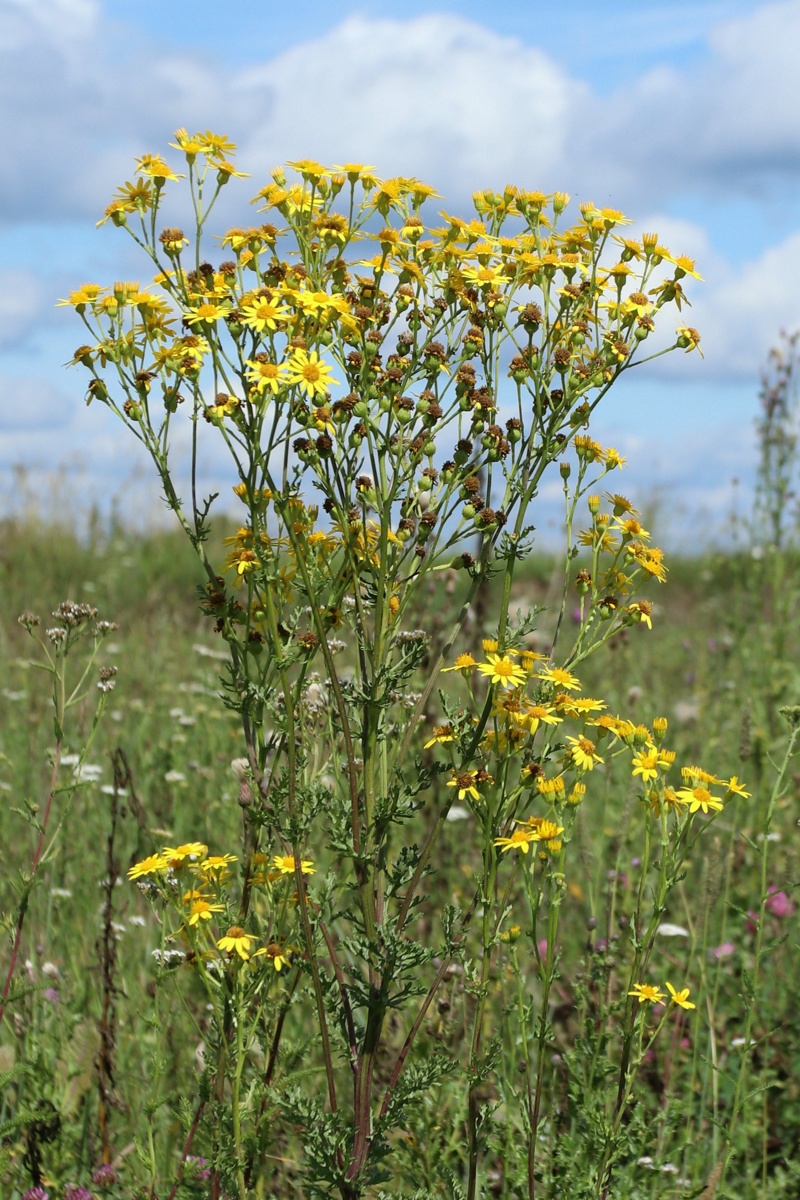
x=439, y=97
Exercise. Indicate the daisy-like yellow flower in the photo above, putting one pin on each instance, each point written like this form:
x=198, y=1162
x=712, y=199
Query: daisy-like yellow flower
x=83, y=296
x=545, y=831
x=529, y=658
x=285, y=864
x=324, y=424
x=464, y=662
x=680, y=998
x=148, y=866
x=265, y=374
x=534, y=715
x=561, y=678
x=578, y=706
x=280, y=958
x=312, y=375
x=621, y=504
x=264, y=313
x=647, y=993
x=583, y=753
x=645, y=764
x=217, y=864
x=207, y=312
x=641, y=613
x=441, y=734
x=201, y=910
x=501, y=669
x=699, y=799
x=236, y=941
x=466, y=783
x=629, y=527
x=154, y=167
x=735, y=788
x=520, y=839
x=614, y=459
x=685, y=266
x=484, y=277
x=177, y=856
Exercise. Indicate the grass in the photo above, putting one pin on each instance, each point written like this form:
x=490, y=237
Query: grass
x=111, y=1060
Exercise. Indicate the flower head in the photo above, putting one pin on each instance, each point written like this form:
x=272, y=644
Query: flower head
x=647, y=993
x=500, y=669
x=309, y=373
x=236, y=941
x=148, y=866
x=561, y=678
x=285, y=863
x=466, y=782
x=583, y=753
x=699, y=798
x=680, y=998
x=520, y=839
x=464, y=662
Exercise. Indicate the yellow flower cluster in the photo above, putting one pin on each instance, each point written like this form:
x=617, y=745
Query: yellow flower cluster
x=207, y=895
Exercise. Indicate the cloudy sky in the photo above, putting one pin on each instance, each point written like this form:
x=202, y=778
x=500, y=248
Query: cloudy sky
x=684, y=115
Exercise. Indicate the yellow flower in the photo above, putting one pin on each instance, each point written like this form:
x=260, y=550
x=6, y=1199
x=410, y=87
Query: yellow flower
x=217, y=864
x=154, y=166
x=641, y=613
x=689, y=339
x=579, y=705
x=698, y=775
x=735, y=788
x=561, y=678
x=148, y=866
x=265, y=374
x=485, y=277
x=699, y=798
x=583, y=753
x=280, y=958
x=236, y=941
x=263, y=314
x=520, y=840
x=551, y=789
x=647, y=992
x=464, y=662
x=500, y=669
x=466, y=783
x=208, y=311
x=285, y=864
x=646, y=764
x=441, y=733
x=535, y=714
x=309, y=373
x=194, y=851
x=544, y=830
x=202, y=910
x=680, y=998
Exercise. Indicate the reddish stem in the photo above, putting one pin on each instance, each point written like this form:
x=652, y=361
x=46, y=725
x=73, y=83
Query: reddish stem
x=23, y=907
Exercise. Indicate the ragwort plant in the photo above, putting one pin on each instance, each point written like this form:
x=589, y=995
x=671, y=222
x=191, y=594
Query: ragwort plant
x=391, y=396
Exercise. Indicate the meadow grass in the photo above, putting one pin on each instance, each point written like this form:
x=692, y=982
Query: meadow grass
x=707, y=666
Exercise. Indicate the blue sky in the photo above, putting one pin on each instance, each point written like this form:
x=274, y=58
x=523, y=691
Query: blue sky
x=683, y=115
